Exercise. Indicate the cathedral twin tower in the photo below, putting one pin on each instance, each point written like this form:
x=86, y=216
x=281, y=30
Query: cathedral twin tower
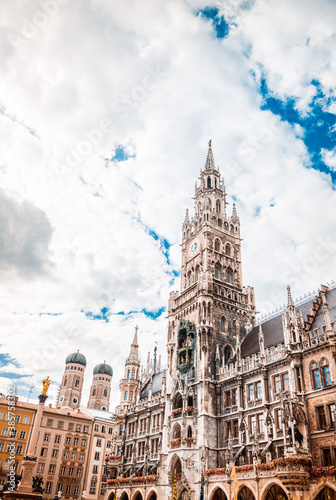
x=70, y=392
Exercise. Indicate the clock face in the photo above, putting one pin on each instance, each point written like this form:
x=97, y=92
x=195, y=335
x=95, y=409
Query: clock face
x=194, y=247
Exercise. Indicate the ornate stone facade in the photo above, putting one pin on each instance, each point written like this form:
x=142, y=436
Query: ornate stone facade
x=257, y=396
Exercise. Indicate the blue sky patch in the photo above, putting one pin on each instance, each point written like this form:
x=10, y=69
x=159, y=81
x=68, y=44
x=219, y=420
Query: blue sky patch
x=153, y=314
x=120, y=154
x=219, y=23
x=319, y=125
x=12, y=375
x=5, y=359
x=103, y=315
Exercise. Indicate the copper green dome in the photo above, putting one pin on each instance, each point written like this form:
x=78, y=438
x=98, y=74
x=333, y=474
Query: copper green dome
x=103, y=369
x=76, y=357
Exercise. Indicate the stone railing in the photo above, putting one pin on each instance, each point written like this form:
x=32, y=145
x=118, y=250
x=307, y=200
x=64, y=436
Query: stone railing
x=292, y=465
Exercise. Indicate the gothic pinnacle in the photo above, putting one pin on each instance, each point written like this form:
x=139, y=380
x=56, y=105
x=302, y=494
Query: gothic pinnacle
x=210, y=162
x=290, y=302
x=234, y=215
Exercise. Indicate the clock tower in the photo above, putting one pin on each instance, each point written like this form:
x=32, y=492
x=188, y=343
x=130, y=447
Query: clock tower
x=213, y=311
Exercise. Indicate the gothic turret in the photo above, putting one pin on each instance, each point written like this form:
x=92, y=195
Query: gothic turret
x=130, y=383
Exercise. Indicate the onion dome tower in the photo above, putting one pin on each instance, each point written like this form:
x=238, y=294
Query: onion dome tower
x=101, y=387
x=70, y=392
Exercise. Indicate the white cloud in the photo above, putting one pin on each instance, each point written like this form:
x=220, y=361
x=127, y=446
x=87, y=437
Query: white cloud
x=154, y=79
x=293, y=42
x=329, y=158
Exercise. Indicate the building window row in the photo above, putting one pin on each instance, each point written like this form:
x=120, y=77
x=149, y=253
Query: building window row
x=65, y=471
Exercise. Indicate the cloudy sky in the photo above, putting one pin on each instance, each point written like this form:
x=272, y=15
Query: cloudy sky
x=106, y=109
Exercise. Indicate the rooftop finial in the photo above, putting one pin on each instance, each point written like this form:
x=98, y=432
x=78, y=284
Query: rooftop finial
x=290, y=302
x=234, y=215
x=210, y=162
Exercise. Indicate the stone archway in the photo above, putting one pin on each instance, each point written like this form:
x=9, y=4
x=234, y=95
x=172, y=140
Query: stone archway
x=152, y=496
x=175, y=467
x=326, y=494
x=124, y=496
x=245, y=494
x=275, y=492
x=183, y=495
x=137, y=496
x=218, y=494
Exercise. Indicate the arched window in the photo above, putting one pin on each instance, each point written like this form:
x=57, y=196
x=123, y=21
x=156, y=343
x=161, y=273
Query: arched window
x=228, y=250
x=218, y=206
x=189, y=432
x=231, y=228
x=77, y=383
x=65, y=381
x=189, y=279
x=223, y=324
x=177, y=431
x=105, y=393
x=197, y=273
x=94, y=392
x=229, y=275
x=217, y=245
x=227, y=354
x=326, y=377
x=209, y=182
x=219, y=223
x=215, y=289
x=218, y=271
x=133, y=373
x=315, y=376
x=177, y=401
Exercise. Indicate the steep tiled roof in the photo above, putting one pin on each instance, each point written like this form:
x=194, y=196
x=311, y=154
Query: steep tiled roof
x=272, y=328
x=157, y=385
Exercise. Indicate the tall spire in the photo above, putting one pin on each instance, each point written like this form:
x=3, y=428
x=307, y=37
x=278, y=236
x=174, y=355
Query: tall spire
x=135, y=340
x=134, y=351
x=210, y=162
x=290, y=302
